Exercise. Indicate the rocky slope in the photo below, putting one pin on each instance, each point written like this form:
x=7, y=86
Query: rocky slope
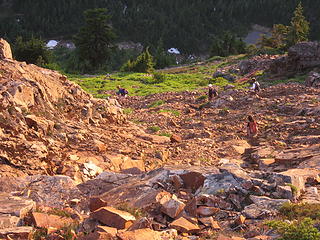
x=68, y=159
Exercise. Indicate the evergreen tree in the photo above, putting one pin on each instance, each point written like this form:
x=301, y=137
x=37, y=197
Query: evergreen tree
x=31, y=51
x=162, y=57
x=299, y=29
x=278, y=38
x=95, y=38
x=227, y=44
x=143, y=64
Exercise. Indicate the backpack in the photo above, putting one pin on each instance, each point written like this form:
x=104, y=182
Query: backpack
x=257, y=86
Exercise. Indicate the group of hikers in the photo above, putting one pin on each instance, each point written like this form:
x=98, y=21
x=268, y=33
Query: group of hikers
x=252, y=128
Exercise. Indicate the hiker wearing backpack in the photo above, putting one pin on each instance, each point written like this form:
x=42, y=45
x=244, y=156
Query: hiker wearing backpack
x=252, y=128
x=255, y=85
x=212, y=92
x=122, y=91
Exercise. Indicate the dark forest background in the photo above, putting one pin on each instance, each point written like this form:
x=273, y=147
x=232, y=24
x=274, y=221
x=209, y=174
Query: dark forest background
x=186, y=24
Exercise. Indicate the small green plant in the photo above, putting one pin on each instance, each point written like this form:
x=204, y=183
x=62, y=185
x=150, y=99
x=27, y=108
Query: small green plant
x=165, y=134
x=128, y=111
x=314, y=100
x=154, y=129
x=202, y=98
x=294, y=189
x=297, y=230
x=204, y=160
x=299, y=211
x=137, y=212
x=39, y=234
x=68, y=232
x=158, y=77
x=137, y=121
x=156, y=104
x=172, y=111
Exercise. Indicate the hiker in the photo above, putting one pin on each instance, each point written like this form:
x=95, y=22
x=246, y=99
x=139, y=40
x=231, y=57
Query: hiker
x=252, y=128
x=122, y=91
x=212, y=92
x=255, y=85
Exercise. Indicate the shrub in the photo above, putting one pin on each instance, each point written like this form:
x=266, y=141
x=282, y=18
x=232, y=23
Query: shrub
x=156, y=104
x=144, y=63
x=154, y=128
x=298, y=230
x=159, y=77
x=165, y=134
x=298, y=211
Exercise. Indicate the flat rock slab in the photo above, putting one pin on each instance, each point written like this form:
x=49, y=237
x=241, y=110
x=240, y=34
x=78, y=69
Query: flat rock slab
x=299, y=176
x=8, y=221
x=113, y=217
x=44, y=220
x=15, y=206
x=140, y=234
x=184, y=226
x=16, y=233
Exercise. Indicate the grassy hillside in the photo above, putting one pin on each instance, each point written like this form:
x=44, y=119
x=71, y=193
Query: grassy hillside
x=189, y=77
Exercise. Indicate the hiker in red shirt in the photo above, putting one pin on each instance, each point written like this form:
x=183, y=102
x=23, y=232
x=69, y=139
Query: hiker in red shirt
x=252, y=128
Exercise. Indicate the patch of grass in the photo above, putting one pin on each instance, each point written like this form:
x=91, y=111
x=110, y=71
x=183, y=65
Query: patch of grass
x=154, y=129
x=298, y=230
x=39, y=234
x=202, y=98
x=165, y=134
x=204, y=160
x=298, y=211
x=128, y=111
x=156, y=104
x=137, y=212
x=172, y=111
x=294, y=189
x=137, y=121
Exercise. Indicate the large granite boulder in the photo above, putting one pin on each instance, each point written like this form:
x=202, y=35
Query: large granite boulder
x=5, y=50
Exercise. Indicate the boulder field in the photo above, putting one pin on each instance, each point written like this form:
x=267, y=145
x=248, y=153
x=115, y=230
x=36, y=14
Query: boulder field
x=76, y=167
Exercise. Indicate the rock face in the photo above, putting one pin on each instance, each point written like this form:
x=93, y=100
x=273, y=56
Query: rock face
x=13, y=210
x=313, y=80
x=301, y=56
x=5, y=50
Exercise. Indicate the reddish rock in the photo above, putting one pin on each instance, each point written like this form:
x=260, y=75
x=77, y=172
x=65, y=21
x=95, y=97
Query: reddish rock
x=5, y=49
x=16, y=233
x=97, y=236
x=113, y=217
x=141, y=223
x=44, y=220
x=223, y=237
x=207, y=211
x=260, y=237
x=99, y=146
x=184, y=226
x=177, y=182
x=209, y=222
x=240, y=220
x=96, y=203
x=191, y=207
x=175, y=138
x=105, y=229
x=140, y=234
x=192, y=180
x=172, y=207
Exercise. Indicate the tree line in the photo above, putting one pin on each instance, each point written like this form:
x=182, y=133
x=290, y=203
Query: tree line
x=186, y=24
x=95, y=45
